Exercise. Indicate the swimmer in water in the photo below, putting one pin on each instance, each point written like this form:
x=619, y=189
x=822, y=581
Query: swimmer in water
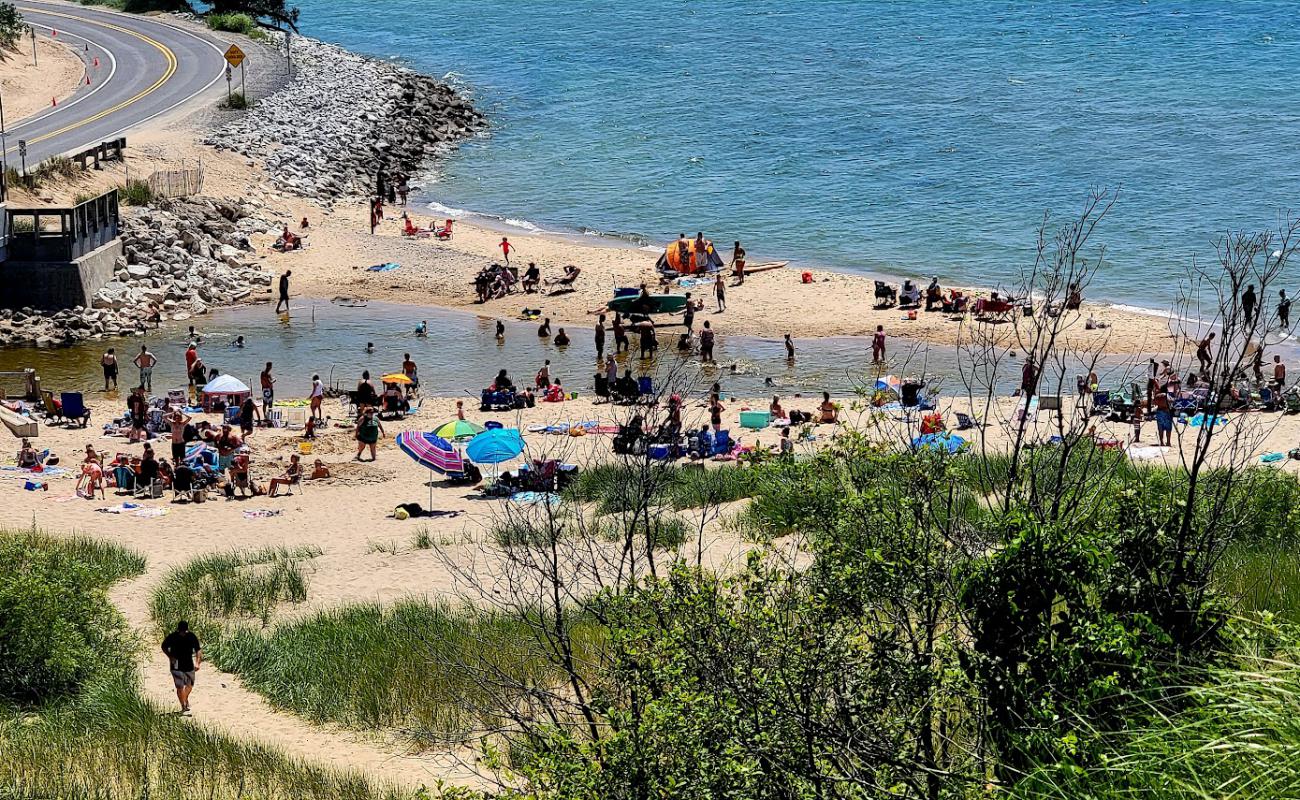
x=370, y=347
x=194, y=335
x=239, y=342
x=501, y=331
x=422, y=329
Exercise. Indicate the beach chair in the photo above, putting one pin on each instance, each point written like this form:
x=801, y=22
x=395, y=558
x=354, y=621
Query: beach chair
x=1101, y=401
x=563, y=284
x=1292, y=402
x=124, y=479
x=721, y=443
x=231, y=416
x=965, y=422
x=393, y=409
x=409, y=229
x=74, y=408
x=148, y=490
x=53, y=410
x=443, y=233
x=645, y=386
x=886, y=295
x=183, y=483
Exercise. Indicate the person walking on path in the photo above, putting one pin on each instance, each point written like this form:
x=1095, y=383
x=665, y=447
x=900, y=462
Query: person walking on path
x=720, y=291
x=284, y=291
x=185, y=655
x=145, y=361
x=109, y=362
x=878, y=345
x=268, y=392
x=506, y=249
x=1283, y=309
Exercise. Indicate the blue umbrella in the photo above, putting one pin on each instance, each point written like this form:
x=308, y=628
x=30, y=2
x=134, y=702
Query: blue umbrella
x=939, y=441
x=495, y=446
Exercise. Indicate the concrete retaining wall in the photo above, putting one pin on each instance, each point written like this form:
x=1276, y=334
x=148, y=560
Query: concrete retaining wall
x=52, y=285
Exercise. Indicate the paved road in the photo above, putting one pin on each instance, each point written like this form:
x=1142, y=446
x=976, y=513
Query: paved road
x=146, y=67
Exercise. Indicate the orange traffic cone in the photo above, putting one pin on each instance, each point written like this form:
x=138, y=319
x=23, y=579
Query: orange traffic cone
x=96, y=62
x=87, y=80
x=54, y=101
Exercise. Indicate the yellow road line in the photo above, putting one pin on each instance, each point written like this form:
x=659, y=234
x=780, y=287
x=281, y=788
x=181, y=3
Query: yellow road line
x=162, y=48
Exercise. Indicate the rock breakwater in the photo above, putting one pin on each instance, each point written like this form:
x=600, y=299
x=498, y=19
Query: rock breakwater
x=343, y=119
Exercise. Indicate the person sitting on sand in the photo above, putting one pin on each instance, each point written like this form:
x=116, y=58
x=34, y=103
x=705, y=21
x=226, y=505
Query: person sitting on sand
x=933, y=295
x=830, y=414
x=292, y=473
x=561, y=338
x=27, y=456
x=532, y=277
x=1074, y=297
x=786, y=444
x=369, y=431
x=776, y=409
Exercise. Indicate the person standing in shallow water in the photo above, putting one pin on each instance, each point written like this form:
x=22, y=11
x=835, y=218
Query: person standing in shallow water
x=109, y=362
x=284, y=291
x=184, y=655
x=1283, y=309
x=878, y=345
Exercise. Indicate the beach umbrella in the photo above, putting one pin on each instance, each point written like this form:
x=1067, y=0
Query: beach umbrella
x=458, y=430
x=431, y=452
x=948, y=442
x=397, y=377
x=495, y=446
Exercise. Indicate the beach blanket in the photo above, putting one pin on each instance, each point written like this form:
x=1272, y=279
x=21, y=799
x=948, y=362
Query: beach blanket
x=1201, y=420
x=1269, y=458
x=591, y=426
x=389, y=267
x=134, y=509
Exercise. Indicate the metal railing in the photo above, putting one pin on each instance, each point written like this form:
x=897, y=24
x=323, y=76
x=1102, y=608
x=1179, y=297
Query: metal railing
x=81, y=229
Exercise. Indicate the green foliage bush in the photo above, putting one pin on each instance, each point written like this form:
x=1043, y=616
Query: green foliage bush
x=12, y=26
x=136, y=193
x=57, y=627
x=234, y=23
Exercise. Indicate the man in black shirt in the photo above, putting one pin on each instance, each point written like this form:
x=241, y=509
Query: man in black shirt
x=185, y=654
x=284, y=291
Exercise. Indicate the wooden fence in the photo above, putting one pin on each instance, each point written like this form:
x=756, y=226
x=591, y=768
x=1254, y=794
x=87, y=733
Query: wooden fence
x=176, y=182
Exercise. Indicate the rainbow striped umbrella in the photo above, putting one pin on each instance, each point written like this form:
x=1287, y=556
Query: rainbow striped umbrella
x=434, y=453
x=458, y=430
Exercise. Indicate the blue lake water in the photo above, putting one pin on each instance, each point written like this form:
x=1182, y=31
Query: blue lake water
x=919, y=137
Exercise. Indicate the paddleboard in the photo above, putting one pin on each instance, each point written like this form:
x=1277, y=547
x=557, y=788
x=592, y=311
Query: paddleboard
x=658, y=304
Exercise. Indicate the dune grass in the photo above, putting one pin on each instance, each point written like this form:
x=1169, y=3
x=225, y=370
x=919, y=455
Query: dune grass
x=87, y=733
x=623, y=487
x=1237, y=738
x=111, y=743
x=215, y=591
x=415, y=667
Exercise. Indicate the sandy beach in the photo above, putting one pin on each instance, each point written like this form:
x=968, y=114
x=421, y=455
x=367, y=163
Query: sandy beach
x=367, y=554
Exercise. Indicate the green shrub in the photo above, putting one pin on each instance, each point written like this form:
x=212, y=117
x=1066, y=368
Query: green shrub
x=57, y=627
x=234, y=23
x=136, y=193
x=12, y=26
x=235, y=101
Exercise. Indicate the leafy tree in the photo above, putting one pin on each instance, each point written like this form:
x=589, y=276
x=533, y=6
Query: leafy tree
x=273, y=12
x=12, y=27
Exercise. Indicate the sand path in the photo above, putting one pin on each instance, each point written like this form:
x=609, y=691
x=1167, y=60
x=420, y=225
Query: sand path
x=29, y=89
x=221, y=702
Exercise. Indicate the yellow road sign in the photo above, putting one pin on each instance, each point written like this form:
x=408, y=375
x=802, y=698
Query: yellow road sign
x=234, y=56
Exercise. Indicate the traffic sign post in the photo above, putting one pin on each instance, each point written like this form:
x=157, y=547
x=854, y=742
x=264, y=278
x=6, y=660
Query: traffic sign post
x=235, y=58
x=22, y=154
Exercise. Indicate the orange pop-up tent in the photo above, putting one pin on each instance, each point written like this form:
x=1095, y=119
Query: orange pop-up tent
x=680, y=256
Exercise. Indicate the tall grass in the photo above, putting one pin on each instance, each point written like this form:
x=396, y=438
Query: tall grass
x=106, y=562
x=416, y=667
x=136, y=193
x=243, y=586
x=1262, y=578
x=111, y=743
x=1237, y=738
x=622, y=487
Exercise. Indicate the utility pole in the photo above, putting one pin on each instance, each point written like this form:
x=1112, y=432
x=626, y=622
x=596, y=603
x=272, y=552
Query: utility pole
x=288, y=50
x=33, y=30
x=4, y=152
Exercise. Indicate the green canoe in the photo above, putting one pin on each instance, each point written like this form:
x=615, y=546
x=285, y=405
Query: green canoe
x=656, y=304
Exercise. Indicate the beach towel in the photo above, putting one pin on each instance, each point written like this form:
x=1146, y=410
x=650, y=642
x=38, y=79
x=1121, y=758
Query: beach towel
x=389, y=267
x=1146, y=452
x=1201, y=420
x=1269, y=458
x=534, y=498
